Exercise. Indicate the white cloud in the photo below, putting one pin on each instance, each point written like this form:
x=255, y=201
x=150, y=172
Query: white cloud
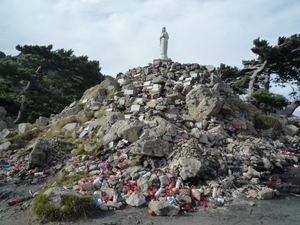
x=125, y=34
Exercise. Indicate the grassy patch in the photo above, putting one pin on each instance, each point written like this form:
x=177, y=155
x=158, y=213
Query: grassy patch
x=22, y=139
x=57, y=130
x=79, y=151
x=88, y=116
x=67, y=180
x=101, y=113
x=74, y=207
x=109, y=93
x=262, y=121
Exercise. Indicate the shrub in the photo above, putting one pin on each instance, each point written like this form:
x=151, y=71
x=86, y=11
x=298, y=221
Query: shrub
x=22, y=139
x=74, y=207
x=262, y=121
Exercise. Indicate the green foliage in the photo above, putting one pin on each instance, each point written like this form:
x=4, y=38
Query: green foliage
x=235, y=77
x=48, y=80
x=262, y=121
x=228, y=72
x=264, y=99
x=74, y=207
x=66, y=179
x=88, y=116
x=22, y=139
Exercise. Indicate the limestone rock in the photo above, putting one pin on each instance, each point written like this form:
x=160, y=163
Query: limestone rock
x=189, y=167
x=203, y=103
x=266, y=193
x=5, y=133
x=43, y=149
x=150, y=146
x=136, y=199
x=2, y=112
x=57, y=195
x=2, y=125
x=163, y=208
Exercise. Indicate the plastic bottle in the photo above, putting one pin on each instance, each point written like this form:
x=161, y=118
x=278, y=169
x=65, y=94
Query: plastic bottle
x=214, y=193
x=159, y=191
x=97, y=180
x=178, y=183
x=172, y=185
x=38, y=173
x=14, y=202
x=147, y=174
x=5, y=166
x=141, y=173
x=115, y=198
x=97, y=198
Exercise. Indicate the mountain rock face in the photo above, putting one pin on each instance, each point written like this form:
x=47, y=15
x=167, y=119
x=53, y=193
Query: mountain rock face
x=157, y=130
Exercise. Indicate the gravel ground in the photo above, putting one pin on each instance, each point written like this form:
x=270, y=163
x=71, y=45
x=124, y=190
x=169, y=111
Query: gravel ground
x=284, y=209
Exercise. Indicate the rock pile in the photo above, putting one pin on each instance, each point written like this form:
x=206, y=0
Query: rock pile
x=171, y=134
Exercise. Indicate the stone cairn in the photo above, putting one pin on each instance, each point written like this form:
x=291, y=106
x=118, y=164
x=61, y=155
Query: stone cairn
x=170, y=135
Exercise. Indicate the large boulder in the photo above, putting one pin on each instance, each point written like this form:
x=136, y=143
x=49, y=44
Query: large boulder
x=5, y=133
x=188, y=167
x=163, y=208
x=124, y=129
x=203, y=103
x=43, y=150
x=150, y=146
x=57, y=195
x=136, y=199
x=23, y=127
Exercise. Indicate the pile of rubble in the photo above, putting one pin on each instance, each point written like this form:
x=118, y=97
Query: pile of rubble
x=174, y=135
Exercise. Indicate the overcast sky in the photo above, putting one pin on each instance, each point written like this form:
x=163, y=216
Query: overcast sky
x=124, y=34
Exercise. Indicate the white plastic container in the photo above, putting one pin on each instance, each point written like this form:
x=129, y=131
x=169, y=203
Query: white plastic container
x=178, y=183
x=158, y=192
x=214, y=193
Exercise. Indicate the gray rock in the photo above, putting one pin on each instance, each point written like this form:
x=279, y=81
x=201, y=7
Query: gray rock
x=267, y=164
x=203, y=103
x=136, y=199
x=43, y=149
x=130, y=131
x=190, y=167
x=5, y=146
x=252, y=173
x=163, y=208
x=57, y=195
x=228, y=182
x=2, y=125
x=151, y=146
x=266, y=193
x=290, y=129
x=23, y=127
x=42, y=121
x=5, y=133
x=87, y=186
x=9, y=122
x=2, y=112
x=90, y=147
x=252, y=193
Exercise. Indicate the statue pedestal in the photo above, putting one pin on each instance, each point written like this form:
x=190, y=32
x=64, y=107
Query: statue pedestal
x=157, y=61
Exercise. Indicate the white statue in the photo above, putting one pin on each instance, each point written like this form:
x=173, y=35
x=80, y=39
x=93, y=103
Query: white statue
x=164, y=37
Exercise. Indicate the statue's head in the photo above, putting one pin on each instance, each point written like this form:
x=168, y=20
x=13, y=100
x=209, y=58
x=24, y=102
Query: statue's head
x=163, y=29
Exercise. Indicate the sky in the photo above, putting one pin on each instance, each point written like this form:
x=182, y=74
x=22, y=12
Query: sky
x=124, y=34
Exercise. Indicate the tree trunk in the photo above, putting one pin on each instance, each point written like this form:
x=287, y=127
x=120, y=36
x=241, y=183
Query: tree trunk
x=254, y=76
x=289, y=110
x=267, y=81
x=22, y=114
